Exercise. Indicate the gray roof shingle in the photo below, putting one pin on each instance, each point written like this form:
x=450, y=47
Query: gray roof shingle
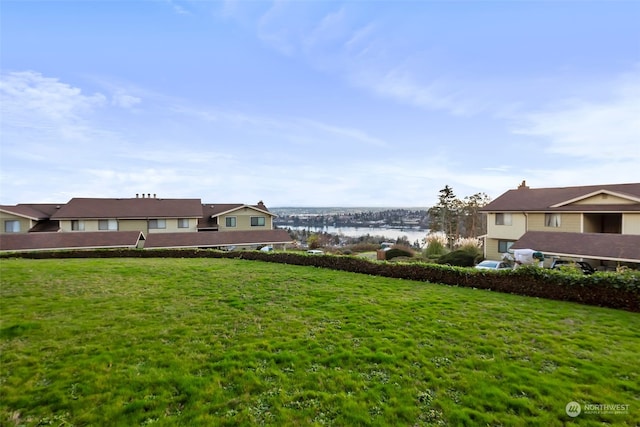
x=527, y=199
x=217, y=238
x=76, y=240
x=133, y=208
x=34, y=211
x=606, y=246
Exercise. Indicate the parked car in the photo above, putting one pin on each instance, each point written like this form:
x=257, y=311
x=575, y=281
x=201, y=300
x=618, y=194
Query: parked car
x=493, y=265
x=266, y=248
x=315, y=252
x=582, y=265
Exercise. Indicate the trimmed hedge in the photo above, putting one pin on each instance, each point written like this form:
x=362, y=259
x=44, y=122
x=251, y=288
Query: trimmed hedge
x=461, y=258
x=397, y=252
x=613, y=290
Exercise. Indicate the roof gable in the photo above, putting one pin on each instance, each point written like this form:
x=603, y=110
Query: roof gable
x=212, y=210
x=33, y=211
x=601, y=197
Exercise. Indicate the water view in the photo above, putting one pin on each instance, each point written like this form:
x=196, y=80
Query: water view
x=391, y=234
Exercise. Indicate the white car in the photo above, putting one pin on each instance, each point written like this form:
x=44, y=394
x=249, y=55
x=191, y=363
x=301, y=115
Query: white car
x=493, y=265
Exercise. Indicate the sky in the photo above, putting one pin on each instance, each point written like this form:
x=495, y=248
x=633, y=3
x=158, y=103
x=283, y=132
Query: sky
x=315, y=103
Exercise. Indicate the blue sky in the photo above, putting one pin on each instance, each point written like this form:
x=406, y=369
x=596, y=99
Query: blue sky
x=312, y=103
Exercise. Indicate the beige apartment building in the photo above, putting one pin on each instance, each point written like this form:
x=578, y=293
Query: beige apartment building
x=181, y=222
x=599, y=223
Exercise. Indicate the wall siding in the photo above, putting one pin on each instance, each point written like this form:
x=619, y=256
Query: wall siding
x=134, y=225
x=604, y=199
x=243, y=220
x=506, y=232
x=171, y=227
x=491, y=249
x=631, y=223
x=569, y=222
x=25, y=224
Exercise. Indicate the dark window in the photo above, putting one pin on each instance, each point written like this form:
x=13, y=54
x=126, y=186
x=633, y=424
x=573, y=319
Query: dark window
x=503, y=219
x=552, y=220
x=504, y=245
x=12, y=226
x=108, y=224
x=157, y=223
x=258, y=221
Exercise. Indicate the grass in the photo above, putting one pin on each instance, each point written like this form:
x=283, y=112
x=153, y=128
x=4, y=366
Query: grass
x=233, y=342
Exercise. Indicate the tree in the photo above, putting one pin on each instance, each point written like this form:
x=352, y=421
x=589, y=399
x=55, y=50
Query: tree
x=475, y=223
x=458, y=218
x=444, y=216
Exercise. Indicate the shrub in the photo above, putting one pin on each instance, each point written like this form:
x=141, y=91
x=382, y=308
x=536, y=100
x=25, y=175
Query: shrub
x=398, y=251
x=434, y=249
x=436, y=245
x=470, y=243
x=461, y=258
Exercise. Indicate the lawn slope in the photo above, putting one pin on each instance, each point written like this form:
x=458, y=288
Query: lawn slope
x=236, y=342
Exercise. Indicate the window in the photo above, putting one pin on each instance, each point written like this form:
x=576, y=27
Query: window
x=157, y=223
x=12, y=226
x=504, y=246
x=503, y=219
x=257, y=221
x=230, y=221
x=108, y=224
x=552, y=220
x=183, y=222
x=77, y=225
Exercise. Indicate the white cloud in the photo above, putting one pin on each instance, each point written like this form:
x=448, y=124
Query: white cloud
x=604, y=130
x=50, y=122
x=27, y=95
x=177, y=8
x=124, y=100
x=401, y=85
x=362, y=54
x=272, y=32
x=297, y=130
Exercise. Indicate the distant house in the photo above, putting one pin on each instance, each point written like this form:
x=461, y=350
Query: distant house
x=597, y=223
x=149, y=222
x=235, y=217
x=28, y=217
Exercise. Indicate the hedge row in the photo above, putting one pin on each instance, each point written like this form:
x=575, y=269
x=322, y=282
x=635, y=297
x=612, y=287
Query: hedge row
x=614, y=290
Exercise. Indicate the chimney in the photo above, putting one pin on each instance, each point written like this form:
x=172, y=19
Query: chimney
x=137, y=195
x=148, y=195
x=523, y=186
x=154, y=196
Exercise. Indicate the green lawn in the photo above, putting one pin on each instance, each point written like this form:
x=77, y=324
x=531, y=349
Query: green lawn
x=234, y=342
